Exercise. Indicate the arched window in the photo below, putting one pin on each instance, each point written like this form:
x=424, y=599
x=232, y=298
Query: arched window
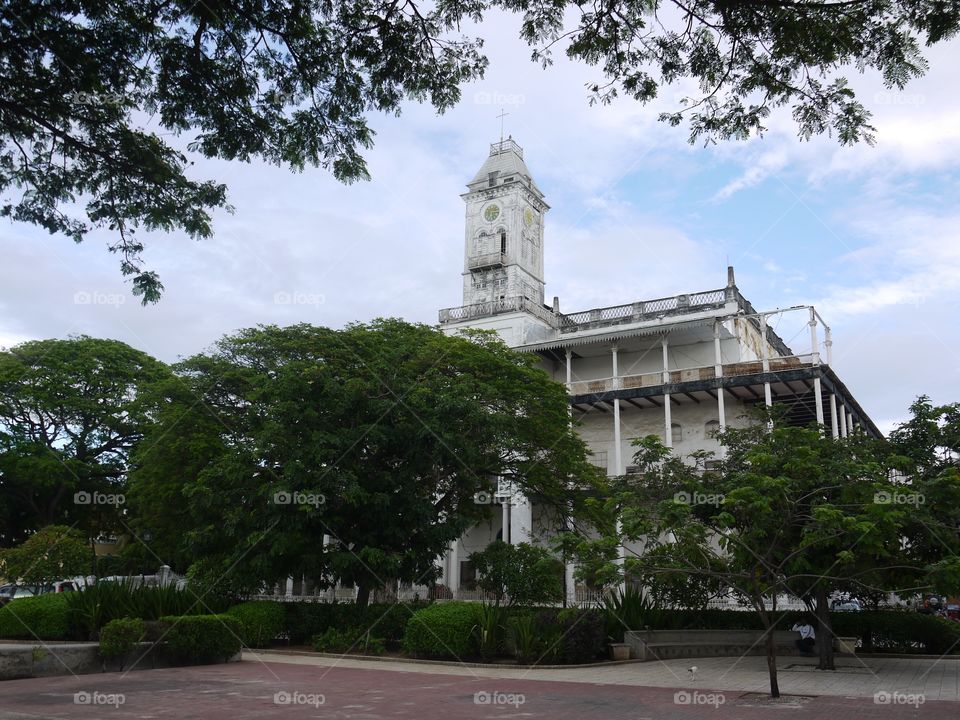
x=676, y=432
x=710, y=427
x=503, y=241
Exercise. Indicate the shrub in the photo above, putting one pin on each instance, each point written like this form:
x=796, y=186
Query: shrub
x=45, y=616
x=94, y=606
x=489, y=630
x=119, y=637
x=443, y=630
x=898, y=631
x=524, y=637
x=388, y=621
x=203, y=638
x=261, y=621
x=583, y=635
x=356, y=640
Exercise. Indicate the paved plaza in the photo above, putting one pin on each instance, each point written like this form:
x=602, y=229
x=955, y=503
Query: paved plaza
x=273, y=685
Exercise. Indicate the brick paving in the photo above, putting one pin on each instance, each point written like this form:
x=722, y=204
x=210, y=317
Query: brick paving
x=267, y=690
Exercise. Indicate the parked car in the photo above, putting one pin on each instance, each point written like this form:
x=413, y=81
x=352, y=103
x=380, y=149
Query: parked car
x=848, y=605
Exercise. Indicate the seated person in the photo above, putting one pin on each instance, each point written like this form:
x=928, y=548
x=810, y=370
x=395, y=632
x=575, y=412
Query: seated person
x=807, y=638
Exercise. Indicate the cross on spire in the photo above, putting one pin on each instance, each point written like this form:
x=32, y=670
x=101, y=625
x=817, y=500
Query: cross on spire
x=502, y=115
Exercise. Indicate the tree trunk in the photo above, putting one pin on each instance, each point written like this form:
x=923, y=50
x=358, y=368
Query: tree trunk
x=772, y=663
x=363, y=594
x=770, y=647
x=824, y=631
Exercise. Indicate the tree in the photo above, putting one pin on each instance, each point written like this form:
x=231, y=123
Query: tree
x=70, y=411
x=787, y=510
x=377, y=437
x=52, y=553
x=291, y=83
x=519, y=575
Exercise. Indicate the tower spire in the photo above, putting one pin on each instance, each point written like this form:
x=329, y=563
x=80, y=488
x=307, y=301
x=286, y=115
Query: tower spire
x=502, y=115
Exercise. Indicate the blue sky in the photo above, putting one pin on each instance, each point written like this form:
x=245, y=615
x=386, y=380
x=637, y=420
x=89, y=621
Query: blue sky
x=871, y=236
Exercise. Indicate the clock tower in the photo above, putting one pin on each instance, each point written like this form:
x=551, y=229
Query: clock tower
x=503, y=257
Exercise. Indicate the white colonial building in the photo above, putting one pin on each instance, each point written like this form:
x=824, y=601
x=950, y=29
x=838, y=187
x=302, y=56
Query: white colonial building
x=679, y=367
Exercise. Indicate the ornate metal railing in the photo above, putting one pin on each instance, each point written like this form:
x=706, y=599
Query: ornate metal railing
x=498, y=307
x=644, y=310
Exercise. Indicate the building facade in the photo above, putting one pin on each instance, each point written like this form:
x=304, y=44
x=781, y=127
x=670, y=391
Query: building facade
x=680, y=367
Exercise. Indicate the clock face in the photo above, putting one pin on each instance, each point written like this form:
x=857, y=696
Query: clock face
x=528, y=217
x=491, y=213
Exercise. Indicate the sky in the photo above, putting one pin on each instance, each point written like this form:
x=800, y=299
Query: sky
x=869, y=235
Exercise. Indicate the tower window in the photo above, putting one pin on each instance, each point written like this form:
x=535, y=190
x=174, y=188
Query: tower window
x=503, y=241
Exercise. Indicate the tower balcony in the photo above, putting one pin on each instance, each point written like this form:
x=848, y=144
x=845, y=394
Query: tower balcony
x=487, y=261
x=498, y=307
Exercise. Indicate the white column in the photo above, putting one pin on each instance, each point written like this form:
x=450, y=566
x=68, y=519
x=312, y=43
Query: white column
x=843, y=421
x=765, y=359
x=850, y=425
x=814, y=342
x=718, y=372
x=505, y=520
x=818, y=397
x=521, y=520
x=453, y=574
x=828, y=343
x=571, y=583
x=834, y=430
x=289, y=587
x=617, y=445
x=569, y=368
x=667, y=429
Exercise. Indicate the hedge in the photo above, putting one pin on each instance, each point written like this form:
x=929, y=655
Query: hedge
x=351, y=640
x=583, y=636
x=118, y=637
x=203, y=638
x=384, y=620
x=443, y=630
x=45, y=616
x=260, y=620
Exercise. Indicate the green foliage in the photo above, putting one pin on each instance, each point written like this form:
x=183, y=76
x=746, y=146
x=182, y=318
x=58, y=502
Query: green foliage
x=583, y=636
x=45, y=616
x=489, y=630
x=899, y=631
x=70, y=412
x=96, y=605
x=443, y=630
x=261, y=621
x=524, y=637
x=523, y=575
x=329, y=450
x=386, y=620
x=351, y=640
x=118, y=637
x=52, y=553
x=290, y=84
x=629, y=609
x=203, y=638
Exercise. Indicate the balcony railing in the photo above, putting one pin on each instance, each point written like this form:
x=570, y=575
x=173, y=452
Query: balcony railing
x=645, y=310
x=498, y=307
x=653, y=379
x=487, y=260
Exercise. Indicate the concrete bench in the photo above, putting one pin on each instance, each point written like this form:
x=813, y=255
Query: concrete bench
x=668, y=644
